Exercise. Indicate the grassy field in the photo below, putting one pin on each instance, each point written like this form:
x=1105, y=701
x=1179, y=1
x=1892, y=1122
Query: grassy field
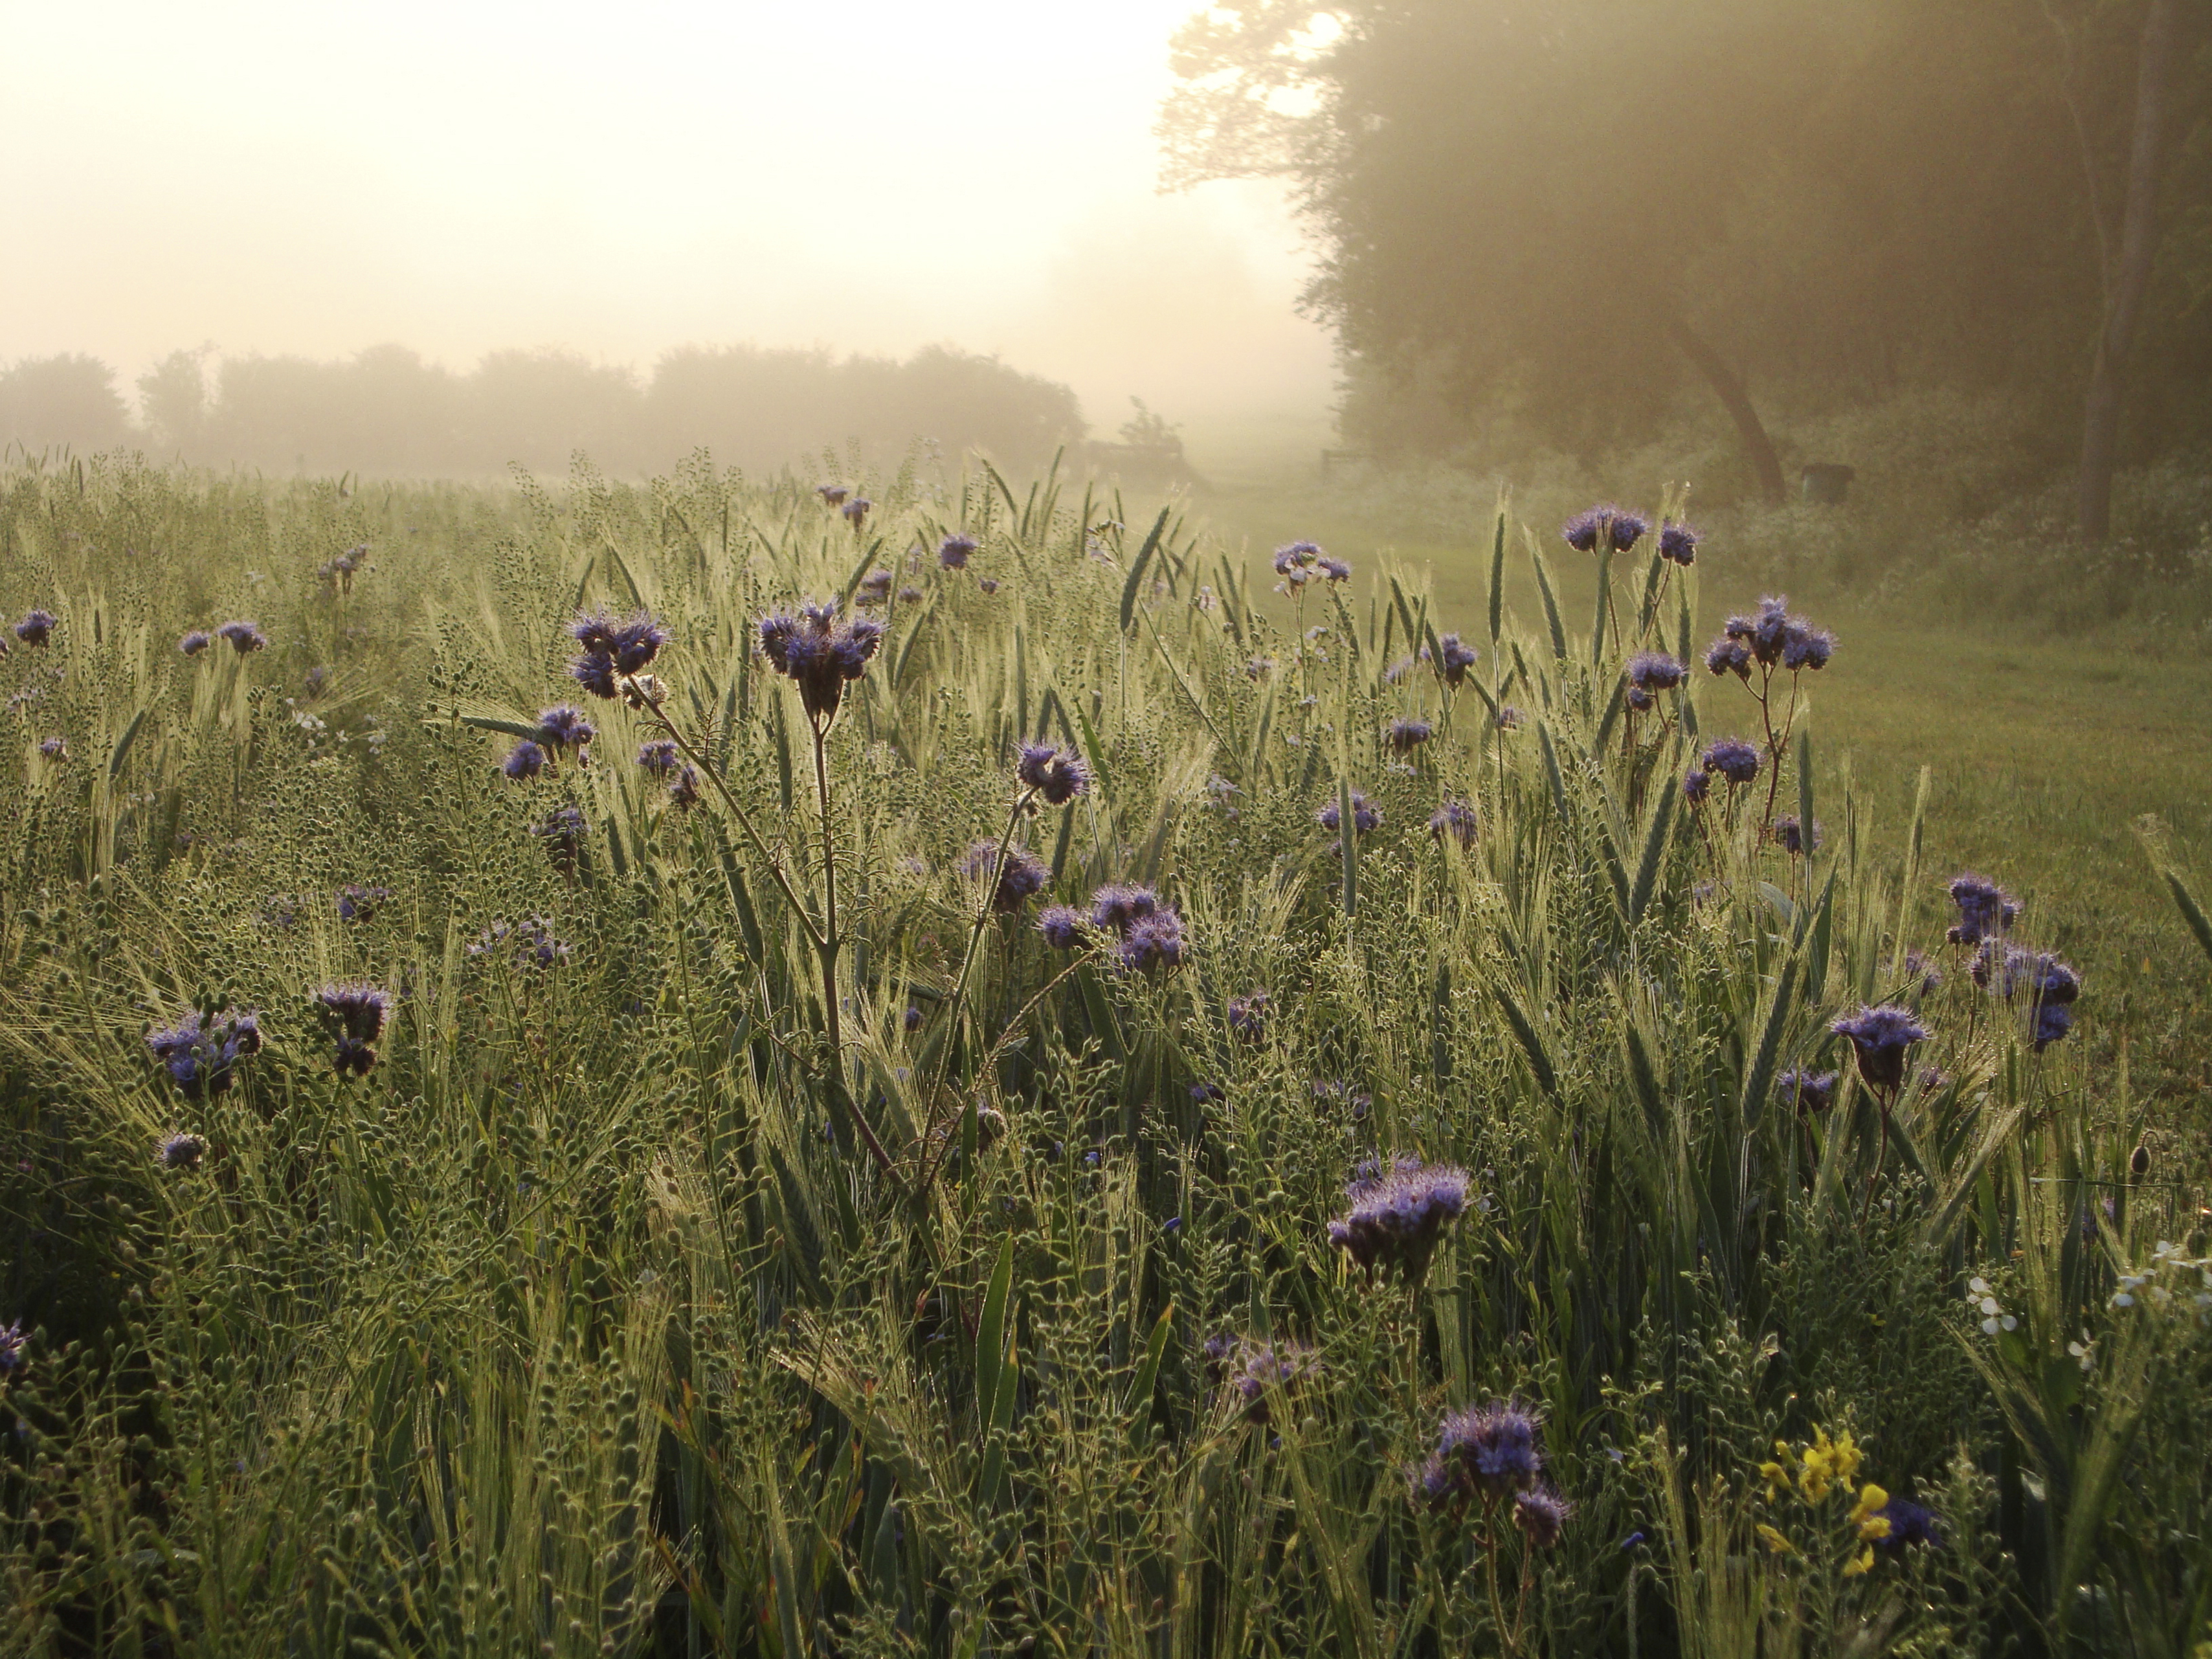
x=559, y=1094
x=2046, y=753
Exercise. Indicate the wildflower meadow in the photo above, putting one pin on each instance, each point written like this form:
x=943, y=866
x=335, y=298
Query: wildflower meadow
x=900, y=1063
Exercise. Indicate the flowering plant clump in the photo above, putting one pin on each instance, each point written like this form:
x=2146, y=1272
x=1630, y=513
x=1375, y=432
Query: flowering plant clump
x=180, y=1151
x=1677, y=544
x=354, y=1014
x=613, y=649
x=1985, y=909
x=1614, y=529
x=819, y=654
x=1399, y=1211
x=1404, y=737
x=529, y=943
x=38, y=628
x=1248, y=1016
x=200, y=1052
x=954, y=552
x=1733, y=759
x=1816, y=1477
x=1300, y=562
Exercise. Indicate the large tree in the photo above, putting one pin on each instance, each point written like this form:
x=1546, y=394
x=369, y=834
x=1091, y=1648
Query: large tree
x=1569, y=208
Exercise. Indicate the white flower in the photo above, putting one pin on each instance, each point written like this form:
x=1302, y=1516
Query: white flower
x=1989, y=1304
x=2122, y=1299
x=1979, y=1286
x=2009, y=1323
x=1990, y=1326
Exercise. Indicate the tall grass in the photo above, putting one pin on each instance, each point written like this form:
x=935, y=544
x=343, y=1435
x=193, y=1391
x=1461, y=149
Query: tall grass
x=588, y=1320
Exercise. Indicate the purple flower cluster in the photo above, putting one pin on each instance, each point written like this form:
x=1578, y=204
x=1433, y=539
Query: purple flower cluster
x=530, y=943
x=339, y=573
x=525, y=761
x=1678, y=543
x=832, y=494
x=14, y=1348
x=875, y=587
x=1607, y=526
x=359, y=903
x=195, y=642
x=1495, y=1452
x=1300, y=562
x=1398, y=1212
x=1015, y=879
x=565, y=727
x=1985, y=909
x=562, y=830
x=1655, y=670
x=38, y=628
x=1150, y=933
x=614, y=648
x=1879, y=1038
x=954, y=552
x=1735, y=760
x=1454, y=819
x=1059, y=775
x=659, y=758
x=1248, y=1016
x=242, y=637
x=1794, y=838
x=1454, y=657
x=1245, y=1369
x=1770, y=638
x=1062, y=926
x=1910, y=1526
x=819, y=654
x=355, y=1014
x=2047, y=984
x=1697, y=784
x=1364, y=816
x=1405, y=736
x=180, y=1151
x=1808, y=1091
x=200, y=1052
x=54, y=749
x=856, y=512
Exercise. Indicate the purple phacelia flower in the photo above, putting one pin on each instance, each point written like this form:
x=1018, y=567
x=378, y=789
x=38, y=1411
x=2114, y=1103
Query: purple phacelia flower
x=1405, y=736
x=987, y=583
x=195, y=642
x=2053, y=1020
x=1508, y=718
x=1153, y=941
x=1985, y=909
x=526, y=760
x=14, y=1348
x=1793, y=838
x=875, y=587
x=1456, y=820
x=200, y=1052
x=1062, y=927
x=1878, y=1037
x=356, y=1009
x=832, y=494
x=54, y=749
x=1060, y=775
x=1729, y=656
x=1116, y=907
x=1655, y=670
x=856, y=511
x=359, y=903
x=819, y=654
x=1733, y=758
x=660, y=757
x=1805, y=647
x=1296, y=557
x=954, y=551
x=1589, y=528
x=38, y=628
x=1246, y=1371
x=1454, y=658
x=1019, y=873
x=180, y=1151
x=1697, y=784
x=1541, y=1515
x=1626, y=529
x=1335, y=570
x=684, y=788
x=564, y=727
x=1808, y=1091
x=1364, y=816
x=1678, y=543
x=1910, y=1526
x=614, y=647
x=562, y=831
x=1493, y=1449
x=1398, y=1213
x=1248, y=1016
x=1640, y=701
x=243, y=637
x=1923, y=976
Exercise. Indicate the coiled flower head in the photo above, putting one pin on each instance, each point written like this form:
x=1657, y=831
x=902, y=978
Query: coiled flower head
x=1152, y=941
x=180, y=1151
x=1655, y=670
x=36, y=627
x=832, y=494
x=14, y=1348
x=820, y=654
x=1365, y=816
x=614, y=647
x=1697, y=784
x=1794, y=838
x=1404, y=737
x=954, y=552
x=1879, y=1038
x=200, y=1052
x=1116, y=907
x=1679, y=544
x=195, y=642
x=1019, y=874
x=243, y=637
x=1060, y=775
x=1246, y=1371
x=565, y=727
x=1398, y=1212
x=1454, y=657
x=1733, y=758
x=1248, y=1016
x=1729, y=656
x=660, y=757
x=526, y=760
x=1985, y=909
x=562, y=831
x=1493, y=1450
x=358, y=903
x=1805, y=1089
x=1062, y=927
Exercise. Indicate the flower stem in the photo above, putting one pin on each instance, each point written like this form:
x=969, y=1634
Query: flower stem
x=833, y=1026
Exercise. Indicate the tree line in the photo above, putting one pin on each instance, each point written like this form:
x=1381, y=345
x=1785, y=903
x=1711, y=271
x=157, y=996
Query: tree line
x=388, y=412
x=1561, y=218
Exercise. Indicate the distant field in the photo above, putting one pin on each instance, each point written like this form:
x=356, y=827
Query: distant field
x=2045, y=754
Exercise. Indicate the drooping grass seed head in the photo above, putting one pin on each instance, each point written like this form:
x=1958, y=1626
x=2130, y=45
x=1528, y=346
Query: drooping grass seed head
x=1880, y=1037
x=1060, y=775
x=242, y=637
x=195, y=642
x=1365, y=816
x=1733, y=758
x=1678, y=543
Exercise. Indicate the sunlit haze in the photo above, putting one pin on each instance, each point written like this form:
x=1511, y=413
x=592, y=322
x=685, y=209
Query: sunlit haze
x=461, y=178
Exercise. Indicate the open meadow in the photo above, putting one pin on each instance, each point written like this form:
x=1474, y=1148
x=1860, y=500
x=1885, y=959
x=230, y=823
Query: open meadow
x=927, y=1063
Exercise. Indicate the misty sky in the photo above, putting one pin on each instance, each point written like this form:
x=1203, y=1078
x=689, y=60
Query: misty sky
x=315, y=178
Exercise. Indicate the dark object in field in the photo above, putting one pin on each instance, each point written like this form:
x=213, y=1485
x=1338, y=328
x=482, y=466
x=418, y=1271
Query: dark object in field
x=1809, y=1092
x=195, y=642
x=180, y=1151
x=1614, y=528
x=1679, y=544
x=1825, y=482
x=954, y=551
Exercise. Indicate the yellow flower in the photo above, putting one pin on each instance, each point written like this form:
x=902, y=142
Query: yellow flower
x=1775, y=1541
x=1865, y=1513
x=1776, y=1477
x=1827, y=1461
x=1862, y=1563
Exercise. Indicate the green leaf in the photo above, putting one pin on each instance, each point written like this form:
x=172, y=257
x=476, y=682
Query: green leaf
x=991, y=1329
x=1148, y=1370
x=1347, y=838
x=1551, y=603
x=2191, y=912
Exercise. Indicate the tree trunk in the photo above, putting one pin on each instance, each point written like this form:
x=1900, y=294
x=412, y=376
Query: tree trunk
x=2138, y=242
x=1728, y=386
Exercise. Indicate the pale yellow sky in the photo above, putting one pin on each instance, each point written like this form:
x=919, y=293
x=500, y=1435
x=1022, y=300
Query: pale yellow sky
x=316, y=178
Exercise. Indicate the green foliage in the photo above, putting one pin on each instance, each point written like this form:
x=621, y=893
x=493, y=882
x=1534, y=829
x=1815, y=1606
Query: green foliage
x=589, y=1320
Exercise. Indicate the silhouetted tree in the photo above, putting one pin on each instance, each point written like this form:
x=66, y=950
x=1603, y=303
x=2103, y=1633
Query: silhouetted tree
x=68, y=401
